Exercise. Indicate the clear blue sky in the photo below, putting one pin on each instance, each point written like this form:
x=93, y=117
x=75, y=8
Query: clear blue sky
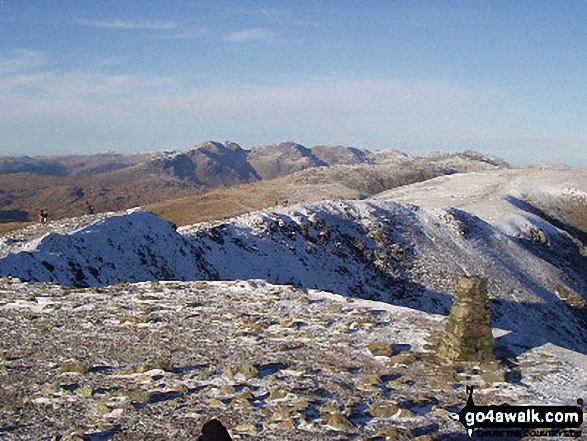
x=503, y=77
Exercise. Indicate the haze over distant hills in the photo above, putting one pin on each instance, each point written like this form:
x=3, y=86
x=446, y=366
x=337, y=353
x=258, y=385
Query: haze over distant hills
x=64, y=184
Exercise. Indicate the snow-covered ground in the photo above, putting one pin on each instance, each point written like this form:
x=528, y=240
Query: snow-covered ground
x=403, y=248
x=489, y=194
x=155, y=360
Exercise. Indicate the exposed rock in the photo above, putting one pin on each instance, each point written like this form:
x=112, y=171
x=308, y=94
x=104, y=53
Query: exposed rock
x=385, y=409
x=227, y=391
x=74, y=434
x=395, y=434
x=74, y=367
x=215, y=402
x=280, y=413
x=240, y=402
x=275, y=394
x=247, y=428
x=381, y=349
x=244, y=370
x=329, y=383
x=247, y=394
x=339, y=421
x=288, y=423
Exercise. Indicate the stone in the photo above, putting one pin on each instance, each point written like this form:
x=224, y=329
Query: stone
x=85, y=392
x=339, y=421
x=385, y=409
x=381, y=349
x=246, y=370
x=405, y=358
x=247, y=394
x=467, y=336
x=395, y=434
x=407, y=413
x=276, y=393
x=240, y=402
x=180, y=388
x=215, y=402
x=301, y=406
x=335, y=308
x=101, y=408
x=440, y=411
x=373, y=379
x=280, y=414
x=246, y=428
x=74, y=367
x=51, y=389
x=74, y=434
x=369, y=383
x=287, y=424
x=204, y=375
x=327, y=409
x=227, y=391
x=492, y=374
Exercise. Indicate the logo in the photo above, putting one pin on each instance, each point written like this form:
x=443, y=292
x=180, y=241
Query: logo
x=520, y=417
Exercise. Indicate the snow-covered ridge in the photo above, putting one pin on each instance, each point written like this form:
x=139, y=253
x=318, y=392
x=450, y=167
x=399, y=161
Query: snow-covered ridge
x=383, y=250
x=402, y=249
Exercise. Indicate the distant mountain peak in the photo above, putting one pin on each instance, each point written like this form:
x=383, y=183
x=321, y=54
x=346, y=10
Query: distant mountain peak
x=63, y=184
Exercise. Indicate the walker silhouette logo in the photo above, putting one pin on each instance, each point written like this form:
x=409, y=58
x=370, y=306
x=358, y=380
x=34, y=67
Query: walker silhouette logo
x=520, y=417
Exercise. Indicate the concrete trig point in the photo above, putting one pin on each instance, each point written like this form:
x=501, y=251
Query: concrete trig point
x=467, y=336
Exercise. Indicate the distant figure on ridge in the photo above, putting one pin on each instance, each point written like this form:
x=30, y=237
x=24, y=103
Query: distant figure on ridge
x=213, y=430
x=43, y=216
x=90, y=207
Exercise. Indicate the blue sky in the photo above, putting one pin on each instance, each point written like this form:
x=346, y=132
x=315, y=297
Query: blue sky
x=502, y=77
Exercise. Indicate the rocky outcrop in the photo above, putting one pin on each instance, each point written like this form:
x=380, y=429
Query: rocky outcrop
x=283, y=159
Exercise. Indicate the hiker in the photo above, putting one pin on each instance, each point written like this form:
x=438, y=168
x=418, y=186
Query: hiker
x=43, y=216
x=90, y=207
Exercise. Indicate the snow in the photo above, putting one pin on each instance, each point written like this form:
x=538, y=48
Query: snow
x=485, y=194
x=398, y=253
x=381, y=250
x=560, y=386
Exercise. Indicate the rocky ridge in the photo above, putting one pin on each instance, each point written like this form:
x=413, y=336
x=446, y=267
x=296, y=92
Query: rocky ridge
x=381, y=250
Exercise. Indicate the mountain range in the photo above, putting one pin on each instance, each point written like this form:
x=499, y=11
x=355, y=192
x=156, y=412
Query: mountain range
x=64, y=185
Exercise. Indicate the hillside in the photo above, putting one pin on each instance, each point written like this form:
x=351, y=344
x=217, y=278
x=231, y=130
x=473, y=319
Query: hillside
x=313, y=321
x=380, y=250
x=64, y=185
x=340, y=181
